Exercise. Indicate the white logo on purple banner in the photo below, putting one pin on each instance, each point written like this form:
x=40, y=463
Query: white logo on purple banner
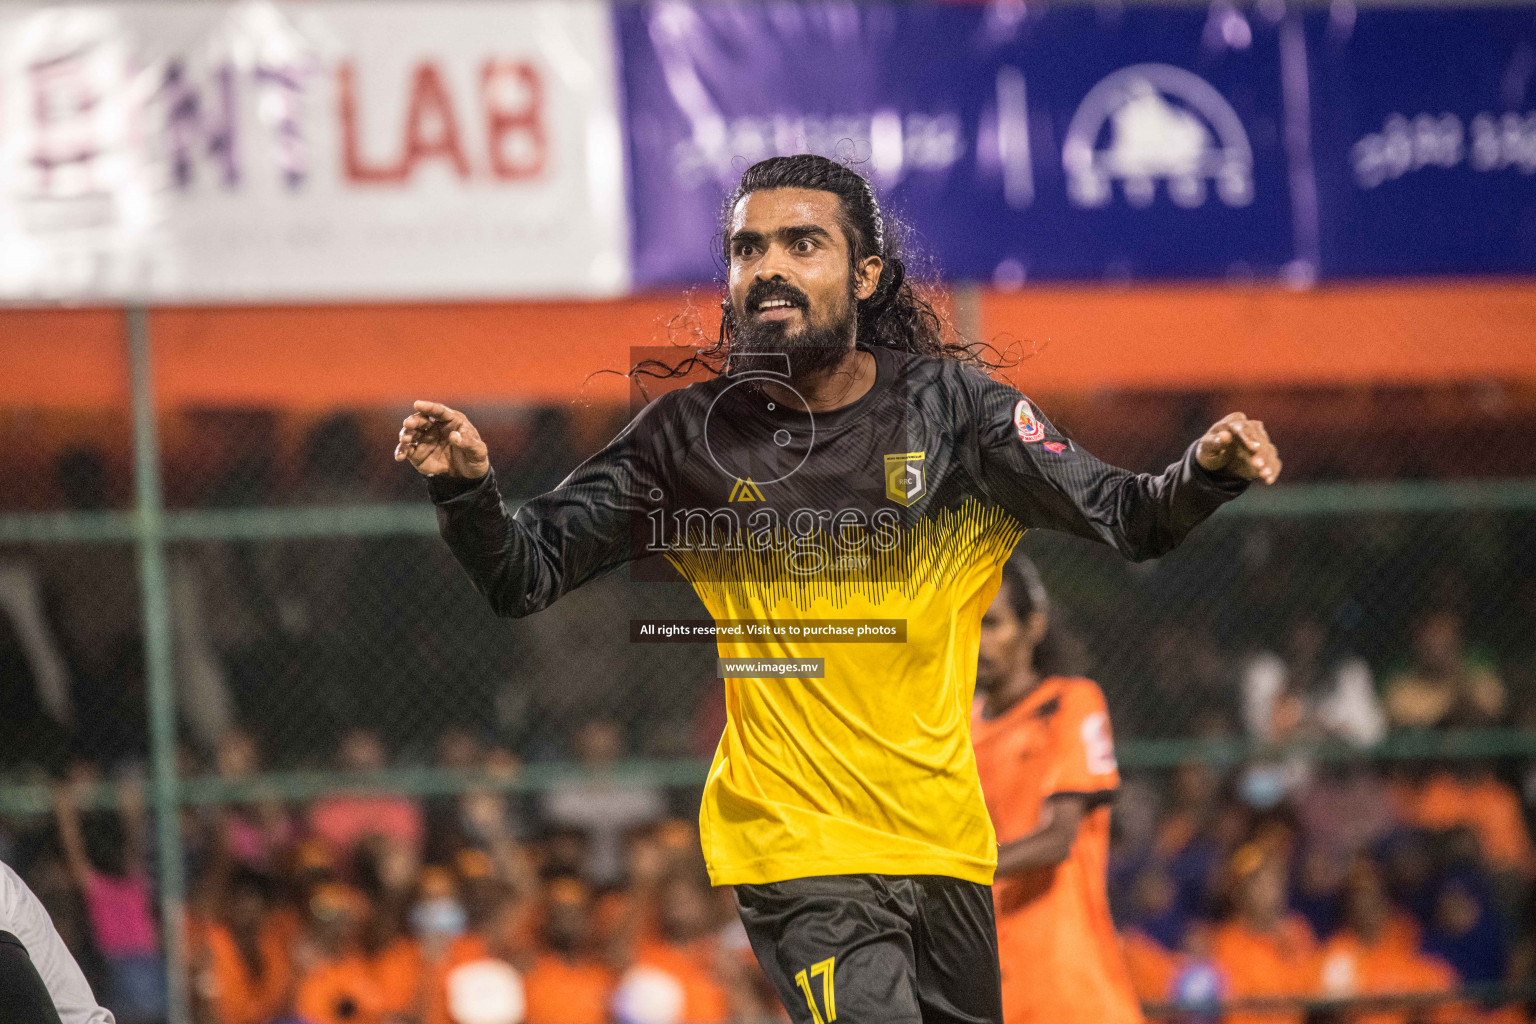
x=1159, y=123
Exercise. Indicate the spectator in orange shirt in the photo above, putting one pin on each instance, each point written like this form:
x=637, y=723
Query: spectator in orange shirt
x=1473, y=796
x=303, y=870
x=1377, y=953
x=336, y=983
x=443, y=937
x=408, y=966
x=246, y=971
x=1263, y=951
x=496, y=919
x=1048, y=772
x=567, y=983
x=715, y=987
x=397, y=890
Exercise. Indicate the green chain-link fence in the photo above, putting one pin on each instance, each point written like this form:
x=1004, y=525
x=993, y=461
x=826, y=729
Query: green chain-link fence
x=299, y=624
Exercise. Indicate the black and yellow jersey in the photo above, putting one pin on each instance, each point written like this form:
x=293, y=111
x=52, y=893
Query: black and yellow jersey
x=901, y=505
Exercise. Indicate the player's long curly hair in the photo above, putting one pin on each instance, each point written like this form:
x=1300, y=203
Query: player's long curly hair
x=896, y=315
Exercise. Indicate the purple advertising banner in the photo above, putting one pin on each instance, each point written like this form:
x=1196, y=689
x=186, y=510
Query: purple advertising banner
x=1021, y=142
x=1102, y=142
x=1425, y=139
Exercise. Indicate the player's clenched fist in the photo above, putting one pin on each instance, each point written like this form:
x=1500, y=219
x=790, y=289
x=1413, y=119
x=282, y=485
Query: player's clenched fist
x=1240, y=445
x=441, y=441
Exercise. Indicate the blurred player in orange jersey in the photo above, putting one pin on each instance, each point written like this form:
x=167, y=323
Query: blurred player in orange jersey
x=1047, y=764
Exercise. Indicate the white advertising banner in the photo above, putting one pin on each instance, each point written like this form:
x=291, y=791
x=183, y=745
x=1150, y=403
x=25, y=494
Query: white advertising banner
x=315, y=151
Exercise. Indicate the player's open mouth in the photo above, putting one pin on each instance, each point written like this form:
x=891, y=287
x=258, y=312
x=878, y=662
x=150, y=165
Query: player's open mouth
x=776, y=309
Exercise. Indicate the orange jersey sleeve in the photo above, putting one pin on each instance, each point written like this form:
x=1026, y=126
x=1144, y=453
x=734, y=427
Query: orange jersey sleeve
x=1085, y=746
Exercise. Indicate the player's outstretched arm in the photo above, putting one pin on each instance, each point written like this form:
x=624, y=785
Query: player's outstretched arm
x=554, y=543
x=1047, y=480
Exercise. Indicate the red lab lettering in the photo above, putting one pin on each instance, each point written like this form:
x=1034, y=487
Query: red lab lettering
x=512, y=97
x=352, y=157
x=430, y=104
x=521, y=125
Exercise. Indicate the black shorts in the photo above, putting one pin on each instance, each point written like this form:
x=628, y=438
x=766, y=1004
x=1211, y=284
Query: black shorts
x=877, y=949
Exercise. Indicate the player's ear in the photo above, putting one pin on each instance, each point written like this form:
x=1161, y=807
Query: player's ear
x=866, y=276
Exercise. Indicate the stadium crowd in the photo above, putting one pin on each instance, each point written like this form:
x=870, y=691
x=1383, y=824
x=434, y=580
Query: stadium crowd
x=372, y=908
x=364, y=907
x=1302, y=874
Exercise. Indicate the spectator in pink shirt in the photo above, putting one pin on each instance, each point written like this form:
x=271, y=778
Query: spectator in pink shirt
x=341, y=821
x=105, y=855
x=255, y=834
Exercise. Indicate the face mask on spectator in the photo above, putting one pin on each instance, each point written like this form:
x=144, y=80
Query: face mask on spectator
x=441, y=916
x=1263, y=786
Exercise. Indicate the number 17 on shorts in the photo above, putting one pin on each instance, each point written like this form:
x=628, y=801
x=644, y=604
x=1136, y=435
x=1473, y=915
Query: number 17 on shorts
x=828, y=990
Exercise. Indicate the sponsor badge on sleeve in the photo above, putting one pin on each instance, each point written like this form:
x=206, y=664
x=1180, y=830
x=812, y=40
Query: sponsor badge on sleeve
x=1027, y=423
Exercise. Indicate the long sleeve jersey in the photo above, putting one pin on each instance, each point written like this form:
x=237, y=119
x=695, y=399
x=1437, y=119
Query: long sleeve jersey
x=900, y=506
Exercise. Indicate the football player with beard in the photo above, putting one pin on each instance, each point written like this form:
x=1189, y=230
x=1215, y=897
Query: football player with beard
x=847, y=460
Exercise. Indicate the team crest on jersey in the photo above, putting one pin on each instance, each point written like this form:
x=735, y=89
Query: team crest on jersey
x=1026, y=422
x=746, y=490
x=905, y=479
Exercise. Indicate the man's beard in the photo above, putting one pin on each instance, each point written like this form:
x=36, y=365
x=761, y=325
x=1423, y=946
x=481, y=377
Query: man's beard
x=811, y=350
